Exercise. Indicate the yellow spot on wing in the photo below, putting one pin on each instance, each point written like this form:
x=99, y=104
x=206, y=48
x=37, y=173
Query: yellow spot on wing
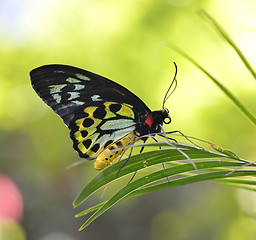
x=90, y=110
x=126, y=111
x=78, y=136
x=107, y=104
x=109, y=115
x=82, y=148
x=79, y=123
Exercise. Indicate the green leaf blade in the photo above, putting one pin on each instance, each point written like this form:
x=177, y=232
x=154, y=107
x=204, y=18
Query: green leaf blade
x=136, y=163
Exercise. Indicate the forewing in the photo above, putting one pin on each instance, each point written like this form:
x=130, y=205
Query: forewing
x=65, y=89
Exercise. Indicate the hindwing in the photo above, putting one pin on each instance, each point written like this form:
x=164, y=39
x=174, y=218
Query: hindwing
x=99, y=124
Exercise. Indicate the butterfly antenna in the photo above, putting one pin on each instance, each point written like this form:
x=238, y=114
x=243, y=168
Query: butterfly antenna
x=174, y=81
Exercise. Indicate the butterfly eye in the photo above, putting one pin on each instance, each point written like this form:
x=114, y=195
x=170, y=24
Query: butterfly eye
x=167, y=120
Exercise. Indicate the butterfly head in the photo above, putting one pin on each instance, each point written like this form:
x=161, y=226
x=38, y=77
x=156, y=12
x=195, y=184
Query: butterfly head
x=160, y=117
x=152, y=121
x=165, y=116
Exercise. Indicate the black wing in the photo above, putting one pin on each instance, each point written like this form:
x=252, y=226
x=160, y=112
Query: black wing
x=65, y=88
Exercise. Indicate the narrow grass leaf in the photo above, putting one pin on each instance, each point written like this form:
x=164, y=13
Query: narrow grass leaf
x=157, y=176
x=230, y=95
x=136, y=163
x=227, y=37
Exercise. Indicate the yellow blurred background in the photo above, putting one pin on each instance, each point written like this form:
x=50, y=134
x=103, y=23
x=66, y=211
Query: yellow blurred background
x=125, y=41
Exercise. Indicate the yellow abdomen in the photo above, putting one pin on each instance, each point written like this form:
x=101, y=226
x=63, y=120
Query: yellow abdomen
x=106, y=157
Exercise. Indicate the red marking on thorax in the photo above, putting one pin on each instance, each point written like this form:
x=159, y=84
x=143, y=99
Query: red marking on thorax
x=149, y=121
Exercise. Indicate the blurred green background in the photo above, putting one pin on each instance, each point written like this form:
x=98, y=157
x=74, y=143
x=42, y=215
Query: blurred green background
x=125, y=41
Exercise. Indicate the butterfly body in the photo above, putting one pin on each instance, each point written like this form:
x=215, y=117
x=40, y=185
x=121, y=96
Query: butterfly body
x=103, y=116
x=114, y=150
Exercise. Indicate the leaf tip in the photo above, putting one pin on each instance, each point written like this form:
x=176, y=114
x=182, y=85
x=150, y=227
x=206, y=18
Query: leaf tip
x=82, y=228
x=74, y=204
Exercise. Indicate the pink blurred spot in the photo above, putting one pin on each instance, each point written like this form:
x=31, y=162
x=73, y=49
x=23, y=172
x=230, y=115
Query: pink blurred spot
x=11, y=204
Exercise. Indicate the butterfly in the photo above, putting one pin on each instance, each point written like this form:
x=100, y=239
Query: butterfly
x=103, y=116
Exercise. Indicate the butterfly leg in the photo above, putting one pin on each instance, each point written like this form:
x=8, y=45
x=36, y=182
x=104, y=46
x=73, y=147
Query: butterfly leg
x=165, y=136
x=128, y=156
x=183, y=135
x=179, y=150
x=162, y=163
x=131, y=179
x=141, y=150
